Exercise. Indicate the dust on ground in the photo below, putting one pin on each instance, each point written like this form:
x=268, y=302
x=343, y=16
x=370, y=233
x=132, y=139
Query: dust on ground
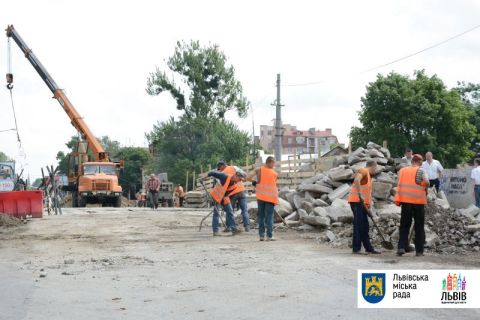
x=132, y=263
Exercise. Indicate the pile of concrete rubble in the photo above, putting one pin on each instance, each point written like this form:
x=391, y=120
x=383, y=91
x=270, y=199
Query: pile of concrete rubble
x=319, y=204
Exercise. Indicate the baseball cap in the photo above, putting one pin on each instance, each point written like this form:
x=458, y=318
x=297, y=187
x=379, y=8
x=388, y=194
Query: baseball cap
x=220, y=163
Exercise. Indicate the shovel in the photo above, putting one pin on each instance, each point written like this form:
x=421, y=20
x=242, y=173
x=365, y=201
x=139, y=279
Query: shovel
x=386, y=244
x=216, y=207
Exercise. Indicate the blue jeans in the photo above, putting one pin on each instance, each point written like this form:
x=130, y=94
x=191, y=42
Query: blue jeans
x=360, y=228
x=477, y=195
x=229, y=216
x=265, y=218
x=242, y=202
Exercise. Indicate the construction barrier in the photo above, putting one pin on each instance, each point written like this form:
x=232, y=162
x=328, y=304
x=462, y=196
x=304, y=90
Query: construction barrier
x=22, y=203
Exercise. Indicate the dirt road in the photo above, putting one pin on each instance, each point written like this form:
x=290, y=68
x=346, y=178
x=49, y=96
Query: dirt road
x=99, y=263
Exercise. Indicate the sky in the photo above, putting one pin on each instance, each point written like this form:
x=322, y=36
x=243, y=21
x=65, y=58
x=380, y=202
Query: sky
x=101, y=53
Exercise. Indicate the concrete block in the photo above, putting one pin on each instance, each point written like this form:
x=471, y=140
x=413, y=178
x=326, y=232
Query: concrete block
x=317, y=221
x=315, y=188
x=381, y=190
x=340, y=192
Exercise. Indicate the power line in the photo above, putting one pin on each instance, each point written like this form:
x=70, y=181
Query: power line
x=394, y=61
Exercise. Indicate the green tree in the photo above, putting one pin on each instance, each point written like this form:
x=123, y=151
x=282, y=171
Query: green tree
x=135, y=160
x=194, y=144
x=470, y=94
x=418, y=112
x=201, y=136
x=212, y=87
x=3, y=156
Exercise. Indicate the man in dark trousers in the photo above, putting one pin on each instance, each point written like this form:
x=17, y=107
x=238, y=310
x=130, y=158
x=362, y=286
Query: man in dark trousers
x=153, y=186
x=266, y=192
x=411, y=195
x=360, y=198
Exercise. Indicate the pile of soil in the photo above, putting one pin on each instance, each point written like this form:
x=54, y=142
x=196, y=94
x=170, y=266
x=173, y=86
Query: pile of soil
x=8, y=221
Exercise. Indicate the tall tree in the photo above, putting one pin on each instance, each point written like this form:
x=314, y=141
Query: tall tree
x=212, y=88
x=201, y=136
x=418, y=112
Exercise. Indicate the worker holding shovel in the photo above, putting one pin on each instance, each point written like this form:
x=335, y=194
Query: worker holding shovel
x=220, y=197
x=411, y=195
x=360, y=199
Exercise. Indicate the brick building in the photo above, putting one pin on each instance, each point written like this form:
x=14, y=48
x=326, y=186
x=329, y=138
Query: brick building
x=296, y=141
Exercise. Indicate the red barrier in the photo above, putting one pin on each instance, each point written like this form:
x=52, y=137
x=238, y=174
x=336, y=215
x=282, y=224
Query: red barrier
x=22, y=203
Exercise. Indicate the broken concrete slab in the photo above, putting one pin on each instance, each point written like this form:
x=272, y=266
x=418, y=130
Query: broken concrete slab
x=341, y=173
x=283, y=208
x=301, y=214
x=319, y=203
x=315, y=188
x=340, y=192
x=313, y=179
x=307, y=206
x=387, y=177
x=340, y=214
x=372, y=145
x=381, y=190
x=380, y=161
x=317, y=221
x=374, y=153
x=389, y=211
x=320, y=212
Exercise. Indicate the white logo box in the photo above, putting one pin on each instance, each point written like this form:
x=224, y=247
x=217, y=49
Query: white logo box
x=423, y=289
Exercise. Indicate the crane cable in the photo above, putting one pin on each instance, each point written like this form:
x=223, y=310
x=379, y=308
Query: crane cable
x=10, y=87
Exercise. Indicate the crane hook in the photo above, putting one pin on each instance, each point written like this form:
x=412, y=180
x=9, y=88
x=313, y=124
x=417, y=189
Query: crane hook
x=9, y=81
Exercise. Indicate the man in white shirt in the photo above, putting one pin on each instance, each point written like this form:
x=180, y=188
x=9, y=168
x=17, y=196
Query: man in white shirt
x=476, y=177
x=408, y=156
x=434, y=170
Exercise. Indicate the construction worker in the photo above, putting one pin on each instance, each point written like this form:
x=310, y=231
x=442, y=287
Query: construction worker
x=412, y=196
x=153, y=187
x=236, y=193
x=267, y=196
x=220, y=197
x=360, y=199
x=180, y=194
x=141, y=198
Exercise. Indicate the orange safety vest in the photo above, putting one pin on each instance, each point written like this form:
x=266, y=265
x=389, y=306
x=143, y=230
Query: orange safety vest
x=266, y=188
x=218, y=192
x=408, y=191
x=237, y=187
x=365, y=191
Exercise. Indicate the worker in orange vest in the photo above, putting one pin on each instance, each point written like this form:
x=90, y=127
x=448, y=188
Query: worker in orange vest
x=237, y=193
x=359, y=198
x=412, y=196
x=220, y=196
x=267, y=196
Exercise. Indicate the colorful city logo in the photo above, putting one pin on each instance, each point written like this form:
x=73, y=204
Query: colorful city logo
x=454, y=283
x=373, y=287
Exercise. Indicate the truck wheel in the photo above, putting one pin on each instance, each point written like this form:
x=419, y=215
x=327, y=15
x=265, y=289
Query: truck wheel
x=74, y=199
x=117, y=202
x=81, y=202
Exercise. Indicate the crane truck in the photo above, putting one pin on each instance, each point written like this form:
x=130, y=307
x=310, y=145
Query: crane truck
x=92, y=175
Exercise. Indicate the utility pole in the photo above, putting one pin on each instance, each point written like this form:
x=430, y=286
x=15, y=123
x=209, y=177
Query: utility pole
x=278, y=124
